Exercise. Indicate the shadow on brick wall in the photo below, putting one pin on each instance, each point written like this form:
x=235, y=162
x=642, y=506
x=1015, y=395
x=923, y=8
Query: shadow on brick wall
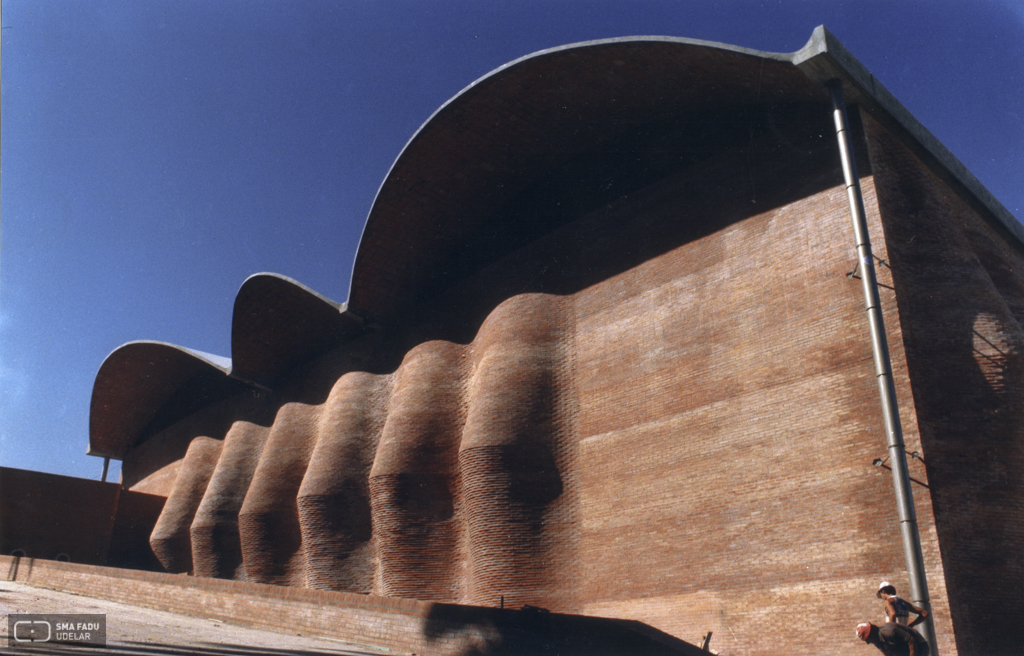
x=476, y=631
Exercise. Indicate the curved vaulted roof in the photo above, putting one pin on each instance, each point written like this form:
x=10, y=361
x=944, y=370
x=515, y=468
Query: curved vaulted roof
x=542, y=138
x=585, y=123
x=278, y=322
x=143, y=387
x=513, y=156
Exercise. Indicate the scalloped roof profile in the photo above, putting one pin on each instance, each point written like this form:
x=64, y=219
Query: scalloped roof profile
x=513, y=156
x=278, y=322
x=140, y=381
x=143, y=387
x=482, y=175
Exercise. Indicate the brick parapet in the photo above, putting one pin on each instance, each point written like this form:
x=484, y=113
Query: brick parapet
x=392, y=625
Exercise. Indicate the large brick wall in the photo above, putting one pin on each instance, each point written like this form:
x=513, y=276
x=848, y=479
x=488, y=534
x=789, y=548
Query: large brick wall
x=961, y=303
x=606, y=353
x=729, y=418
x=663, y=411
x=171, y=539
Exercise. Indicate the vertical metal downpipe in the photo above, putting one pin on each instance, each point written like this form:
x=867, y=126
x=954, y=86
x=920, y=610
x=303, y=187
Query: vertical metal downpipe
x=883, y=369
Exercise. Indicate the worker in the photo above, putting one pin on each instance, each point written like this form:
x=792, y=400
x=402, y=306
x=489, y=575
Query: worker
x=898, y=609
x=894, y=639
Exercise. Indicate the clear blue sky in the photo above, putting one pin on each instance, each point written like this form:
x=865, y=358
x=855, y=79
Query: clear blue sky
x=155, y=153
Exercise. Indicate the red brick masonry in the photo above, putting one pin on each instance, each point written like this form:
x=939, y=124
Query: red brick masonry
x=398, y=625
x=612, y=359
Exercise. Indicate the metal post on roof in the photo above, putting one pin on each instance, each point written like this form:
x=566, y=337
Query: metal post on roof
x=883, y=368
x=106, y=464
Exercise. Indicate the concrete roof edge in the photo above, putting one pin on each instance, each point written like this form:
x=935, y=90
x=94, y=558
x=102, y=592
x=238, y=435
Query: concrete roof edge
x=824, y=58
x=89, y=451
x=216, y=361
x=341, y=307
x=533, y=55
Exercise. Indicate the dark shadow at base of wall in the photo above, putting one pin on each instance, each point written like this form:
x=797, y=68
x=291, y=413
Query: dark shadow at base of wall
x=490, y=632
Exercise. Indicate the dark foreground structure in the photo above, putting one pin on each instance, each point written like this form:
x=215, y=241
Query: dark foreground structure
x=605, y=353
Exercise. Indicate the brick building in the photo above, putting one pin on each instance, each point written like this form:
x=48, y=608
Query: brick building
x=603, y=353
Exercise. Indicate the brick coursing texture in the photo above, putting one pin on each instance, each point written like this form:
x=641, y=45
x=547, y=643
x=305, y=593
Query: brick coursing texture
x=400, y=626
x=663, y=411
x=215, y=533
x=170, y=539
x=516, y=444
x=334, y=499
x=268, y=529
x=414, y=483
x=464, y=484
x=961, y=291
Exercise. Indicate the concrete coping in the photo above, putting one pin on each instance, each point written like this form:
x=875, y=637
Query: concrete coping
x=824, y=58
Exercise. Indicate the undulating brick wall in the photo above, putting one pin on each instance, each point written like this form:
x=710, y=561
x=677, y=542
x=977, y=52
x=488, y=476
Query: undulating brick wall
x=961, y=303
x=215, y=531
x=334, y=499
x=455, y=460
x=663, y=411
x=170, y=539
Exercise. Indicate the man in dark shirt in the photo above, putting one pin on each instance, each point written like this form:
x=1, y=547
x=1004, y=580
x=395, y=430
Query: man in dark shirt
x=898, y=610
x=894, y=639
